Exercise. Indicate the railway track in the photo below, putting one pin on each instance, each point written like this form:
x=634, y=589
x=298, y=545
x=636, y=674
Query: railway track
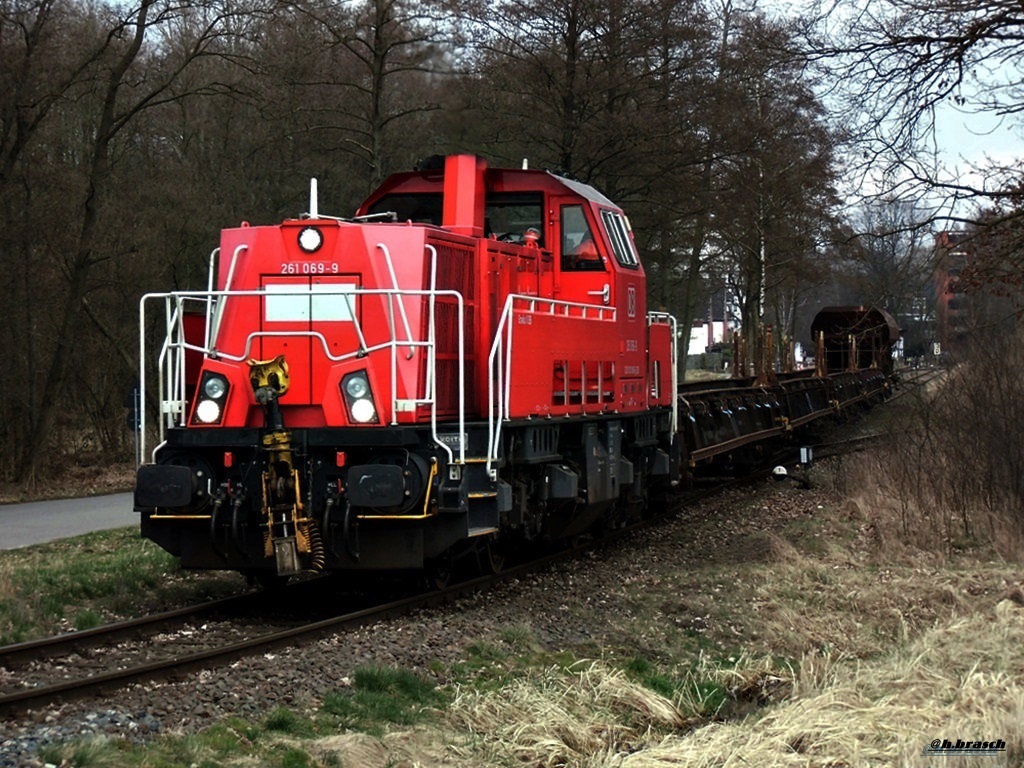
x=918, y=377
x=76, y=665
x=41, y=671
x=912, y=383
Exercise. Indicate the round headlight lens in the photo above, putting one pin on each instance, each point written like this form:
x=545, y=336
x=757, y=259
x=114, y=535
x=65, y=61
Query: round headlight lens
x=207, y=411
x=363, y=411
x=357, y=387
x=215, y=387
x=310, y=239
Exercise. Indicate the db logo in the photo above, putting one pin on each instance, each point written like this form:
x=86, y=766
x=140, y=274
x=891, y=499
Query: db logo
x=631, y=301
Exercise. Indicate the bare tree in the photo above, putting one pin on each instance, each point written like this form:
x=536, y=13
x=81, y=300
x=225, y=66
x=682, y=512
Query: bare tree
x=778, y=182
x=892, y=260
x=373, y=67
x=129, y=76
x=896, y=64
x=697, y=119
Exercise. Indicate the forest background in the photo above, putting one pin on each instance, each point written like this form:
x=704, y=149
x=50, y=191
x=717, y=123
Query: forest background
x=783, y=160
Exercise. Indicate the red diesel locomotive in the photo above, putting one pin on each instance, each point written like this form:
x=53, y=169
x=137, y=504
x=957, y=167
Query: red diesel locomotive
x=467, y=362
x=466, y=365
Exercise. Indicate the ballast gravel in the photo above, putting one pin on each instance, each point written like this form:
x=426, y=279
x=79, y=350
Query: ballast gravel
x=429, y=639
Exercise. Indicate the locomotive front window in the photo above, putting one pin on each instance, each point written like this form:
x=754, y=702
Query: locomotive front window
x=420, y=209
x=305, y=302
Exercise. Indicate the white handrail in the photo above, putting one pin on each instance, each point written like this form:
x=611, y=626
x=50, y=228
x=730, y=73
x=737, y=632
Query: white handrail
x=347, y=295
x=394, y=283
x=670, y=320
x=170, y=361
x=209, y=287
x=142, y=377
x=432, y=367
x=499, y=359
x=496, y=408
x=214, y=331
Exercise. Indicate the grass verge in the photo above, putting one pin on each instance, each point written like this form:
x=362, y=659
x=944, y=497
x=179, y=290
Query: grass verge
x=94, y=579
x=345, y=730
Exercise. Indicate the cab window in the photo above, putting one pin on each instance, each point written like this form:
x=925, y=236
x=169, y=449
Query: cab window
x=508, y=215
x=579, y=248
x=617, y=227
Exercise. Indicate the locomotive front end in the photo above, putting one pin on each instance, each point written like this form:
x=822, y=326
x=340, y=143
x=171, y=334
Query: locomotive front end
x=297, y=421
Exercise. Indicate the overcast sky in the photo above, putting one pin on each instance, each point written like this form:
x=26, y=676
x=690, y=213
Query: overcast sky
x=966, y=138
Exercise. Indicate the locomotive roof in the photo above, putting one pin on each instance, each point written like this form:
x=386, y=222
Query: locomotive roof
x=583, y=190
x=495, y=180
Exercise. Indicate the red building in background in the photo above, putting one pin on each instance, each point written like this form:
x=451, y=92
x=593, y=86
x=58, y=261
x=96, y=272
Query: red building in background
x=953, y=306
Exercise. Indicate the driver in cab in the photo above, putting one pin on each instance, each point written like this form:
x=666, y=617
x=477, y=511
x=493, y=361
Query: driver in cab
x=584, y=257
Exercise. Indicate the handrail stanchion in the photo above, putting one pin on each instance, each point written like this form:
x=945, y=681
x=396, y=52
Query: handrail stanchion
x=219, y=310
x=462, y=379
x=394, y=284
x=142, y=378
x=431, y=375
x=209, y=297
x=394, y=360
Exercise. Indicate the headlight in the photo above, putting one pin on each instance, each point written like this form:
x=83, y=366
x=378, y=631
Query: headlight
x=310, y=239
x=363, y=411
x=356, y=387
x=211, y=398
x=208, y=411
x=215, y=387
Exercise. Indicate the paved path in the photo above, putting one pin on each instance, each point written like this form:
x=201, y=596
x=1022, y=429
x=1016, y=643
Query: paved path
x=38, y=521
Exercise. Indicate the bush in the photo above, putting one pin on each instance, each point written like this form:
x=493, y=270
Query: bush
x=953, y=471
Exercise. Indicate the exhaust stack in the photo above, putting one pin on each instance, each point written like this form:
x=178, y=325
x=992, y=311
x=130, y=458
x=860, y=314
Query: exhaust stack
x=464, y=194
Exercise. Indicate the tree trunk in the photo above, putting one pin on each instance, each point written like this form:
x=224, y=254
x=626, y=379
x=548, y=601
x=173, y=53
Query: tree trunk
x=81, y=266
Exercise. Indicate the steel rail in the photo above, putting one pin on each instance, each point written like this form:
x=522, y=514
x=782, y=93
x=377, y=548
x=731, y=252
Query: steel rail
x=72, y=642
x=67, y=690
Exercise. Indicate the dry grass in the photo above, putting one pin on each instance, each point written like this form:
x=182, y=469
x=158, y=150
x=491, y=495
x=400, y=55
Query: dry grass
x=909, y=509
x=557, y=717
x=961, y=679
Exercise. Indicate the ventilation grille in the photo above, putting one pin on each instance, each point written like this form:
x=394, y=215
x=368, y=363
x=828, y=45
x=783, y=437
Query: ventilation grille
x=456, y=268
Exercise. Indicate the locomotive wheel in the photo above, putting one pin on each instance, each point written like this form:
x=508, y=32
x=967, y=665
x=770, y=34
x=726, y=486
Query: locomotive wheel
x=492, y=555
x=439, y=570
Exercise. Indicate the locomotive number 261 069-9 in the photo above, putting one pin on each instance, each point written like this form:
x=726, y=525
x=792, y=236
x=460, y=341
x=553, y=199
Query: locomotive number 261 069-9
x=309, y=268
